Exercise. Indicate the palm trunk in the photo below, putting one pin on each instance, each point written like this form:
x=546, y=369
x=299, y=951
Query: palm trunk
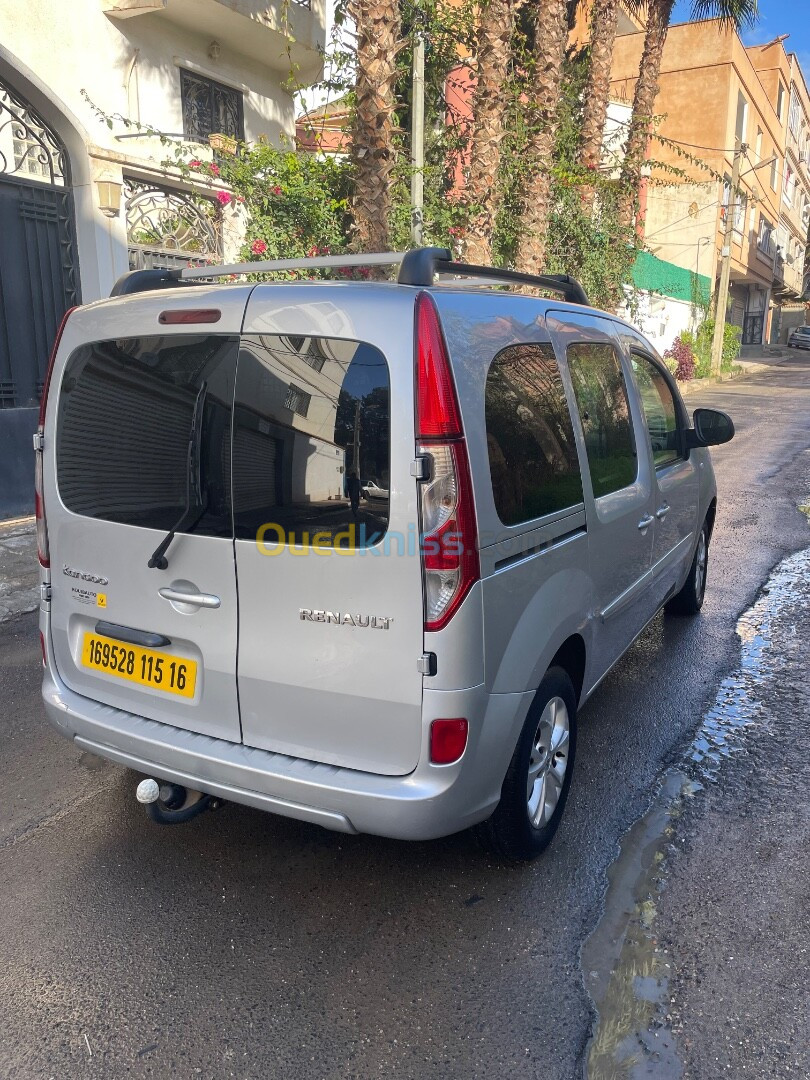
x=493, y=51
x=604, y=24
x=659, y=13
x=379, y=40
x=551, y=37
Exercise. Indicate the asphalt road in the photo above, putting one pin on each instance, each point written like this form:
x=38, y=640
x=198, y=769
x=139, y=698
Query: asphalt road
x=245, y=946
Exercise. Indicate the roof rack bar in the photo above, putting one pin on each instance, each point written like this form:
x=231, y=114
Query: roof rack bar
x=269, y=266
x=419, y=267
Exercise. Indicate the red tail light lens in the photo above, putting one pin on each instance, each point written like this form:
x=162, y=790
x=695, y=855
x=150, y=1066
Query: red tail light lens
x=39, y=501
x=39, y=509
x=43, y=401
x=437, y=408
x=448, y=740
x=448, y=525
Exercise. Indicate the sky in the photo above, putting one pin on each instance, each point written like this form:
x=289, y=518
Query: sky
x=776, y=17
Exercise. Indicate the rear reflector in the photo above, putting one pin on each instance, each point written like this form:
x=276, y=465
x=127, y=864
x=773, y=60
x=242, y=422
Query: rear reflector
x=448, y=740
x=186, y=316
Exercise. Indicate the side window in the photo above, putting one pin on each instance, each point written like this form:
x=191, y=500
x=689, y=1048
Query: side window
x=602, y=401
x=312, y=420
x=530, y=438
x=144, y=432
x=660, y=412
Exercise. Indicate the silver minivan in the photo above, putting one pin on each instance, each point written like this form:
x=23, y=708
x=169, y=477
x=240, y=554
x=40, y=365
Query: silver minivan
x=225, y=610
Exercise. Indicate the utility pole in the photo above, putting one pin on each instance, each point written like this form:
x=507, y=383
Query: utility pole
x=418, y=130
x=725, y=270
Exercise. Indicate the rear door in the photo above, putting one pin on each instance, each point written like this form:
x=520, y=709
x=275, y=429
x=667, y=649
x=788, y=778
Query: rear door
x=330, y=597
x=675, y=476
x=616, y=460
x=138, y=440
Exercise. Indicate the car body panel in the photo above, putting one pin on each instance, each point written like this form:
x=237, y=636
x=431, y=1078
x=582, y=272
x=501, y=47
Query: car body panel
x=335, y=718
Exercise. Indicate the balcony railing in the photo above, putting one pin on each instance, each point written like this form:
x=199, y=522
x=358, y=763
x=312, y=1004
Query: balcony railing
x=269, y=31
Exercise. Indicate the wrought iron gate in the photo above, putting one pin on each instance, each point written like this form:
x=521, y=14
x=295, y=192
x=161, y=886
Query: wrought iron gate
x=39, y=280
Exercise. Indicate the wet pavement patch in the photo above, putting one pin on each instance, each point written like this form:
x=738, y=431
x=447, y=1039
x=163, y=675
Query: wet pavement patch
x=626, y=971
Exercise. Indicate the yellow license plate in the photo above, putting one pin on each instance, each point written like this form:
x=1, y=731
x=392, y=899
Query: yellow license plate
x=147, y=667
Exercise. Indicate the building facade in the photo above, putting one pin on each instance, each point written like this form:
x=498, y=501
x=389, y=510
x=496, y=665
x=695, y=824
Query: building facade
x=87, y=188
x=717, y=96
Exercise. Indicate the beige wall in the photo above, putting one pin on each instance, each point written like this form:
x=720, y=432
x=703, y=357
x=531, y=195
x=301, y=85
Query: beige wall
x=705, y=67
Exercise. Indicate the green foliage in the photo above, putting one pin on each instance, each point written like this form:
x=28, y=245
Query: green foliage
x=701, y=345
x=297, y=202
x=594, y=246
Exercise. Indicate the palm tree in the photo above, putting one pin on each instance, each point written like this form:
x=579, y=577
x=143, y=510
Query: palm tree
x=604, y=24
x=379, y=40
x=551, y=25
x=738, y=13
x=493, y=56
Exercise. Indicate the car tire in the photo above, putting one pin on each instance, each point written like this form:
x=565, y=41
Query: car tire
x=689, y=600
x=536, y=785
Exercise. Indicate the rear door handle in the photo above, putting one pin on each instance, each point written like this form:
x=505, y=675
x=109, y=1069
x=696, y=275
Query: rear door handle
x=662, y=511
x=198, y=599
x=645, y=523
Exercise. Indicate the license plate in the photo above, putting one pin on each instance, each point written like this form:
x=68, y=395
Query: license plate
x=147, y=667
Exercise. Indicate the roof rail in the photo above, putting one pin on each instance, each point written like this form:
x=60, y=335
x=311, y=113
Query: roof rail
x=420, y=266
x=417, y=267
x=144, y=280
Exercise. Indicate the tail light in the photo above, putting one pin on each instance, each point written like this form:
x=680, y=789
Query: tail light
x=448, y=525
x=39, y=501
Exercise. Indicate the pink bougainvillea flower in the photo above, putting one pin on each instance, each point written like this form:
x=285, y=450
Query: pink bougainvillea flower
x=195, y=164
x=240, y=198
x=215, y=170
x=224, y=198
x=276, y=190
x=258, y=247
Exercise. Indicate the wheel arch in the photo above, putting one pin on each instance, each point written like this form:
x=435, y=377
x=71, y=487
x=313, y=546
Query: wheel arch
x=571, y=657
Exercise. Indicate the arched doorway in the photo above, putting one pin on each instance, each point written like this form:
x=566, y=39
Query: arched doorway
x=39, y=279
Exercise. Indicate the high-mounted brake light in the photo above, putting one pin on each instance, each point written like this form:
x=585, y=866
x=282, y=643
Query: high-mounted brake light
x=188, y=316
x=448, y=526
x=39, y=502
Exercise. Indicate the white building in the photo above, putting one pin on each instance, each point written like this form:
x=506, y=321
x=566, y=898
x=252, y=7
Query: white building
x=82, y=202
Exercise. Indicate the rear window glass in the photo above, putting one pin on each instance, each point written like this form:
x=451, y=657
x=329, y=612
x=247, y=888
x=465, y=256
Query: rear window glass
x=143, y=432
x=602, y=401
x=530, y=439
x=311, y=442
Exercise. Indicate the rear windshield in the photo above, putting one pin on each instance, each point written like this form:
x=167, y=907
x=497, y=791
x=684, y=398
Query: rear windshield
x=143, y=432
x=276, y=439
x=311, y=442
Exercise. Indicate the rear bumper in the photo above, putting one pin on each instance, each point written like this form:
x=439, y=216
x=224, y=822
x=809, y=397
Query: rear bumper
x=430, y=802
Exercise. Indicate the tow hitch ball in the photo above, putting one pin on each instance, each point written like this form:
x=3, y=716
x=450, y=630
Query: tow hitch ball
x=171, y=804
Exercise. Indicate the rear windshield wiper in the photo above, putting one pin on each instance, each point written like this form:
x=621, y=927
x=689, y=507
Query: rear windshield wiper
x=196, y=501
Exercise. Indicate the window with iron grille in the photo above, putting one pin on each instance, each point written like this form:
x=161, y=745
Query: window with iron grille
x=297, y=400
x=209, y=108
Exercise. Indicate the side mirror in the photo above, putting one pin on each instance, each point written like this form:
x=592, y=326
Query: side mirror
x=712, y=428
